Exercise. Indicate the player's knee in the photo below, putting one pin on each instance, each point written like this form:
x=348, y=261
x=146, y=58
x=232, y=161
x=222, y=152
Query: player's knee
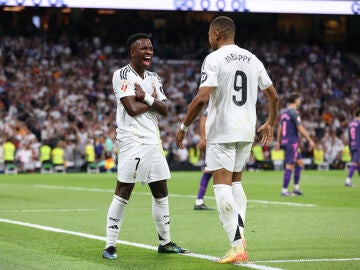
x=159, y=189
x=124, y=190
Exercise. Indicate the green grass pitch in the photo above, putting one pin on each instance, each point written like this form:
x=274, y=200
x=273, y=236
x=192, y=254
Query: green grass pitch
x=58, y=222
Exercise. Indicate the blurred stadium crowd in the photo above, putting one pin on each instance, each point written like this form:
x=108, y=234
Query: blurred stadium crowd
x=53, y=92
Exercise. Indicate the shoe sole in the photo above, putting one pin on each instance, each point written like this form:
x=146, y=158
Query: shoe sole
x=182, y=251
x=238, y=259
x=288, y=195
x=109, y=258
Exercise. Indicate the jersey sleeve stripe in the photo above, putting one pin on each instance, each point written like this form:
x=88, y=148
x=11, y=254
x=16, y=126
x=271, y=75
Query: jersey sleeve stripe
x=124, y=72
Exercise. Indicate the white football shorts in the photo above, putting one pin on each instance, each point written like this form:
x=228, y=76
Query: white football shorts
x=143, y=163
x=230, y=156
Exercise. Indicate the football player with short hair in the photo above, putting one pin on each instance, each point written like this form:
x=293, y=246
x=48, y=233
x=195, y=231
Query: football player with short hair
x=230, y=78
x=288, y=139
x=354, y=144
x=139, y=96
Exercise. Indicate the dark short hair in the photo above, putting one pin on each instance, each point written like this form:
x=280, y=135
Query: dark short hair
x=224, y=24
x=293, y=96
x=357, y=113
x=133, y=38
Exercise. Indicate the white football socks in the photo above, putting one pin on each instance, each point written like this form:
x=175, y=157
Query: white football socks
x=114, y=220
x=348, y=180
x=160, y=213
x=228, y=213
x=199, y=201
x=241, y=201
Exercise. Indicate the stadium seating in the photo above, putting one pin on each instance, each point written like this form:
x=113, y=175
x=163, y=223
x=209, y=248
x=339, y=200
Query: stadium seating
x=180, y=93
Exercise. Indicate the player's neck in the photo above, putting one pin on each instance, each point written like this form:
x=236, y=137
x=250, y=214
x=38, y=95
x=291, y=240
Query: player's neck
x=225, y=43
x=139, y=71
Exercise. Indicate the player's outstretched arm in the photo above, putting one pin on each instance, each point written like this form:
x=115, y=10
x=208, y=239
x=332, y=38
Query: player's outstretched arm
x=194, y=109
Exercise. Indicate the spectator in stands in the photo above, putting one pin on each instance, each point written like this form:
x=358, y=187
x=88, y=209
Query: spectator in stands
x=35, y=94
x=288, y=138
x=57, y=154
x=1, y=153
x=354, y=143
x=258, y=153
x=318, y=153
x=89, y=152
x=109, y=145
x=139, y=97
x=99, y=147
x=333, y=148
x=194, y=154
x=9, y=151
x=25, y=158
x=224, y=74
x=345, y=156
x=108, y=164
x=45, y=153
x=277, y=158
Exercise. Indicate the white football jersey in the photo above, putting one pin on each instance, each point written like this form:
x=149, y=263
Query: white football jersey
x=236, y=75
x=142, y=128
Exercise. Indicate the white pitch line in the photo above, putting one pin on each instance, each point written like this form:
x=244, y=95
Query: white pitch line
x=285, y=203
x=101, y=238
x=172, y=195
x=309, y=260
x=48, y=210
x=74, y=188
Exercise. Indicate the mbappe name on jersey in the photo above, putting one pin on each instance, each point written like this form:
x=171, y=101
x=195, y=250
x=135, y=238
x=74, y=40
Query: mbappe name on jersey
x=237, y=57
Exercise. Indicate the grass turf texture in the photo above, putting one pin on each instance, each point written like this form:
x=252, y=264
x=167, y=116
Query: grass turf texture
x=310, y=232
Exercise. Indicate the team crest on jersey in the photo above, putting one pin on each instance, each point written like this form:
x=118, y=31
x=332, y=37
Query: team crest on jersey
x=124, y=86
x=203, y=77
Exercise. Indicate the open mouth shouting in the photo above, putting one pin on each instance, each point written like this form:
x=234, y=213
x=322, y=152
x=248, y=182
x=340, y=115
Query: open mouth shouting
x=147, y=61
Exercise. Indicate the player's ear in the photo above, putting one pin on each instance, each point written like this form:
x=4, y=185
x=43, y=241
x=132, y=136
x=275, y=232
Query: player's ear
x=217, y=35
